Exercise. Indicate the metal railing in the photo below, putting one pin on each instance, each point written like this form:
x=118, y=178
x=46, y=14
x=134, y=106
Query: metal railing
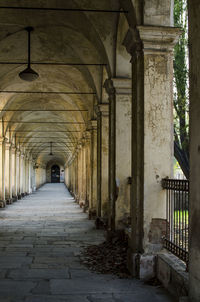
x=177, y=209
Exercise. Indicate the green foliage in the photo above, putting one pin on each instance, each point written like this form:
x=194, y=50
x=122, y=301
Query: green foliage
x=181, y=103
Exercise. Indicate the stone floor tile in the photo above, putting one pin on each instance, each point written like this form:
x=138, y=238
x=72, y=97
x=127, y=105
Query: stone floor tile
x=41, y=237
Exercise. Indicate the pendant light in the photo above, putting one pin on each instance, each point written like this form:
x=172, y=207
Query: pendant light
x=50, y=149
x=29, y=74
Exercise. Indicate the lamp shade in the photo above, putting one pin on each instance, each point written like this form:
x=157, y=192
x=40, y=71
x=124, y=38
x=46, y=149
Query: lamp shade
x=28, y=74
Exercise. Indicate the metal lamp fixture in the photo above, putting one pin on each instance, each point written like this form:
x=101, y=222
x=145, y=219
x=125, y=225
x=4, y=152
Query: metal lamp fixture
x=50, y=149
x=29, y=74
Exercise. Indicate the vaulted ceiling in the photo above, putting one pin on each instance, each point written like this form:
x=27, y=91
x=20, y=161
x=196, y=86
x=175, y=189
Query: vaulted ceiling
x=72, y=51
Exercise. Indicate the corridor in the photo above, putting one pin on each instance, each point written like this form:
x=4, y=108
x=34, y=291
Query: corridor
x=41, y=237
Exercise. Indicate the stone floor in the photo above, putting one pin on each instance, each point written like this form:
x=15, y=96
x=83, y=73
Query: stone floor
x=40, y=241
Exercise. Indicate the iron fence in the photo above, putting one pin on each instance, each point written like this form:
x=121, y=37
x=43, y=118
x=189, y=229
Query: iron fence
x=177, y=208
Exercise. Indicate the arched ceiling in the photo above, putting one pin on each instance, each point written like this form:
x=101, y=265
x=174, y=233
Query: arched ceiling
x=34, y=118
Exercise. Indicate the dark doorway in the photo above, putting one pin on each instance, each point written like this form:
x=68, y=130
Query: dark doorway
x=55, y=174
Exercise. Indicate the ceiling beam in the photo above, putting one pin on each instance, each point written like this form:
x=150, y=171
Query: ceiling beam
x=47, y=92
x=53, y=63
x=44, y=110
x=64, y=9
x=35, y=122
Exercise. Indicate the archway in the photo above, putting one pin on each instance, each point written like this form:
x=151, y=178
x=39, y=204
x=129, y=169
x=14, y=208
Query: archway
x=55, y=174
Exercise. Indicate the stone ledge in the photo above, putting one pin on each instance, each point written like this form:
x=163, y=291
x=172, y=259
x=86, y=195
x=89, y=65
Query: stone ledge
x=171, y=272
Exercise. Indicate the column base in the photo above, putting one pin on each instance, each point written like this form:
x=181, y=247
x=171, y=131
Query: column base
x=23, y=194
x=2, y=203
x=101, y=223
x=92, y=214
x=9, y=201
x=14, y=198
x=142, y=266
x=19, y=196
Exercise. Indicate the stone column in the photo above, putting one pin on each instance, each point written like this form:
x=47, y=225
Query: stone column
x=194, y=202
x=93, y=170
x=2, y=172
x=79, y=172
x=7, y=172
x=17, y=180
x=14, y=179
x=102, y=161
x=76, y=175
x=121, y=139
x=33, y=176
x=11, y=171
x=24, y=178
x=88, y=168
x=151, y=48
x=83, y=172
x=21, y=170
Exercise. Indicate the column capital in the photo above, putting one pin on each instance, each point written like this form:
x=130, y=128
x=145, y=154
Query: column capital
x=3, y=139
x=102, y=109
x=93, y=125
x=151, y=39
x=8, y=145
x=122, y=85
x=87, y=136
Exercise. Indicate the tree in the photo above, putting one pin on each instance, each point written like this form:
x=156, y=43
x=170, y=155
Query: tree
x=181, y=102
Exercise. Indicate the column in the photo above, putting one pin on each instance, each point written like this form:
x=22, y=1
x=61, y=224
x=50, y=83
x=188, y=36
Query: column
x=14, y=178
x=102, y=165
x=93, y=170
x=7, y=172
x=194, y=202
x=24, y=177
x=121, y=139
x=76, y=176
x=11, y=171
x=2, y=171
x=79, y=173
x=88, y=168
x=151, y=48
x=20, y=175
x=17, y=172
x=33, y=176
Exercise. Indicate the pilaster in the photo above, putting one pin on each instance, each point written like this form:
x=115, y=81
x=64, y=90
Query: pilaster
x=102, y=160
x=151, y=48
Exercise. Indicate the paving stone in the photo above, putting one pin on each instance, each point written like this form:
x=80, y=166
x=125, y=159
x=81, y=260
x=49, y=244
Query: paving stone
x=41, y=237
x=38, y=273
x=64, y=298
x=42, y=288
x=16, y=287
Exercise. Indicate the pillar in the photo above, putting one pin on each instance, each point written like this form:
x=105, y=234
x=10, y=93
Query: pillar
x=80, y=151
x=121, y=140
x=2, y=171
x=20, y=175
x=8, y=172
x=83, y=172
x=17, y=174
x=93, y=169
x=14, y=178
x=194, y=202
x=87, y=168
x=11, y=171
x=102, y=166
x=151, y=48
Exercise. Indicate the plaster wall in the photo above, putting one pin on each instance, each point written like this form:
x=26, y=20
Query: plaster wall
x=158, y=136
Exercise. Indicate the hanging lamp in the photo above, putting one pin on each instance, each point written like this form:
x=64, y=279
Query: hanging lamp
x=50, y=149
x=29, y=74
